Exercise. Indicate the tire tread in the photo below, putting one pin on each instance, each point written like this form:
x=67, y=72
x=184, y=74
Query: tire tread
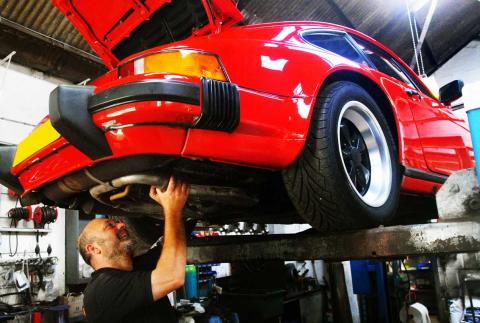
x=319, y=195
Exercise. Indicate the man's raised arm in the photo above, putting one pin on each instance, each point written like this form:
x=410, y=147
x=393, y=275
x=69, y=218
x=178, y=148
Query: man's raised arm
x=169, y=274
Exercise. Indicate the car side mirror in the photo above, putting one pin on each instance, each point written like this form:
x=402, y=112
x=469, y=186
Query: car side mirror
x=451, y=91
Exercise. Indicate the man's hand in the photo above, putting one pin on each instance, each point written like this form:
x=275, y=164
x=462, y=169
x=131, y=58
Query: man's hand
x=173, y=198
x=169, y=274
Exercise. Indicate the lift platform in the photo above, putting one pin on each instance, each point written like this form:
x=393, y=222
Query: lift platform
x=382, y=242
x=457, y=231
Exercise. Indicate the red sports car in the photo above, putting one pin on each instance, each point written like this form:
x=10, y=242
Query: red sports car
x=270, y=123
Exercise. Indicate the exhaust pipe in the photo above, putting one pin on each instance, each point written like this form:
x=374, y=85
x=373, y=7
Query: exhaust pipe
x=198, y=193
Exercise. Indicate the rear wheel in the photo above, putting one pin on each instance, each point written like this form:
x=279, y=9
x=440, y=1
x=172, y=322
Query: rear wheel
x=347, y=175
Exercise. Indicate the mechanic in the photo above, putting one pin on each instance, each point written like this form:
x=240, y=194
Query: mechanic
x=120, y=291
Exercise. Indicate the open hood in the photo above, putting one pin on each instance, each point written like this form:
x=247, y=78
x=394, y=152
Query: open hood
x=119, y=28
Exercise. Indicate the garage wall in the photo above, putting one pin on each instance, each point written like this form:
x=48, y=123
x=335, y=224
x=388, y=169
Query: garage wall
x=465, y=65
x=24, y=97
x=25, y=248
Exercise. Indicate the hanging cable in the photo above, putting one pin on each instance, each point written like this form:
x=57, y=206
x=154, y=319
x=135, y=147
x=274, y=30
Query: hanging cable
x=12, y=254
x=418, y=48
x=409, y=12
x=12, y=221
x=20, y=213
x=6, y=61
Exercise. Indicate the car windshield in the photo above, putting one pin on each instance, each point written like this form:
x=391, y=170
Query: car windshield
x=172, y=22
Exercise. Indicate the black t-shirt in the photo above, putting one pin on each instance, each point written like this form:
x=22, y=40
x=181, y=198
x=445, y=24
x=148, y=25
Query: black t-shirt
x=116, y=296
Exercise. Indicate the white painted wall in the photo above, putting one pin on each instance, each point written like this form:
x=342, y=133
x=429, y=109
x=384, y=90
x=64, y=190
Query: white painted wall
x=24, y=95
x=465, y=65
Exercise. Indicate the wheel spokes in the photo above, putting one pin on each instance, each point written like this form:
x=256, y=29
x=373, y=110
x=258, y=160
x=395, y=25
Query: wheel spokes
x=356, y=140
x=364, y=153
x=353, y=176
x=364, y=178
x=355, y=156
x=345, y=133
x=362, y=148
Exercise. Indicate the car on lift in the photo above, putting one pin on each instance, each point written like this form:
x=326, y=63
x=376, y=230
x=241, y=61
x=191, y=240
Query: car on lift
x=272, y=123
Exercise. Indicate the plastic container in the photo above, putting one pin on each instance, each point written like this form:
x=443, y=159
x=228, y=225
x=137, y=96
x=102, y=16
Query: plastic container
x=214, y=319
x=474, y=122
x=191, y=285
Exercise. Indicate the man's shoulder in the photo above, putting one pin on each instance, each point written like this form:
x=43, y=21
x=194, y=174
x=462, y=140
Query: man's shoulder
x=105, y=279
x=105, y=274
x=148, y=260
x=111, y=275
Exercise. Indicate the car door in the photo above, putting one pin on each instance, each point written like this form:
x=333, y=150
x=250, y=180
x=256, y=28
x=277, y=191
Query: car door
x=444, y=138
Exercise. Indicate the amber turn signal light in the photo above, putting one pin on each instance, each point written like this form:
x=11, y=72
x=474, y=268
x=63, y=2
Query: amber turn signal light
x=182, y=62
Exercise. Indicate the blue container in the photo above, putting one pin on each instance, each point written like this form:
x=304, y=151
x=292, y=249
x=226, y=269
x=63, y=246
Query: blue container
x=474, y=121
x=191, y=285
x=214, y=319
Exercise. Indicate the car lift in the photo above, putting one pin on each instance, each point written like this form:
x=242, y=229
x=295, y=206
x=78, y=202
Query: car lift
x=457, y=231
x=383, y=243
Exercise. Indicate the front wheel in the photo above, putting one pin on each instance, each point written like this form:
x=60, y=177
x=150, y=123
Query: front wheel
x=347, y=175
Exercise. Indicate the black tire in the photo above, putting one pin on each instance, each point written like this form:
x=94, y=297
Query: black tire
x=319, y=183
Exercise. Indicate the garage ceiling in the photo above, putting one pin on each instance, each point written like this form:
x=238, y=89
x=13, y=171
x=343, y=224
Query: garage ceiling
x=46, y=41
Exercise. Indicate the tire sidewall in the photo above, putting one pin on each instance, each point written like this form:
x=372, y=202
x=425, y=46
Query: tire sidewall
x=352, y=92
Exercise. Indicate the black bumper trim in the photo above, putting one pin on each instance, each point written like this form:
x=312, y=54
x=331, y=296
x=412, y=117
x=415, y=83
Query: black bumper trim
x=150, y=90
x=220, y=106
x=426, y=176
x=70, y=117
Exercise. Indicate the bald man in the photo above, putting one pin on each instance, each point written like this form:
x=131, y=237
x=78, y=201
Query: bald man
x=118, y=292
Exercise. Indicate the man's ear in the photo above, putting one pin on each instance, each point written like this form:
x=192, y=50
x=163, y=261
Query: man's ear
x=92, y=249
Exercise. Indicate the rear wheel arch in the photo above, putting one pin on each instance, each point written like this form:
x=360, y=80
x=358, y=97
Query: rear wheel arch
x=374, y=90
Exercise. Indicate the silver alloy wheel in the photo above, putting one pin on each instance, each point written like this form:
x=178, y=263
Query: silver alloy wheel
x=364, y=153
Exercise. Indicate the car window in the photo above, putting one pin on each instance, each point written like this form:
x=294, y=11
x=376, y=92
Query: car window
x=382, y=61
x=334, y=42
x=387, y=64
x=418, y=84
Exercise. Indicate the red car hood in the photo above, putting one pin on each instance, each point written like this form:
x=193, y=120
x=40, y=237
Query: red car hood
x=111, y=26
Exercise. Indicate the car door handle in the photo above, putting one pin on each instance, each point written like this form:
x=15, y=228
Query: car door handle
x=411, y=93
